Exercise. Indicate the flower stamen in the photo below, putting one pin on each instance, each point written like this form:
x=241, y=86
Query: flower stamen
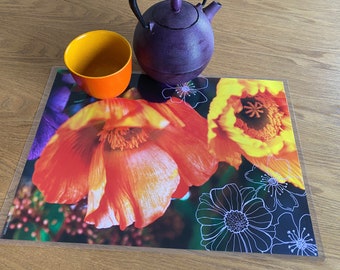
x=185, y=89
x=123, y=138
x=260, y=117
x=254, y=109
x=236, y=221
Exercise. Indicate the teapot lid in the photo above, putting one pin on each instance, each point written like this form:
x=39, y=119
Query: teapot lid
x=164, y=15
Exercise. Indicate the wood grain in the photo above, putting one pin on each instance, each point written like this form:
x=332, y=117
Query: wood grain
x=298, y=41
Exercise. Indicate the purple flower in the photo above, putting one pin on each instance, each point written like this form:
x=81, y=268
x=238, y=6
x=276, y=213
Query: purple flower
x=53, y=115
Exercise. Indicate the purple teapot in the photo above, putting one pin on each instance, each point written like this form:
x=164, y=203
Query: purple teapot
x=174, y=41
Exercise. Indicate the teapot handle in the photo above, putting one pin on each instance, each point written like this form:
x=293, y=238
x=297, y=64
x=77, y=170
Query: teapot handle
x=136, y=11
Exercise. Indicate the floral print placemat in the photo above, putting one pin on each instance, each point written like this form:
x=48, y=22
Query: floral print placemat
x=211, y=164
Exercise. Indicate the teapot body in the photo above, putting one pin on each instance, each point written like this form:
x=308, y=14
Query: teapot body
x=177, y=52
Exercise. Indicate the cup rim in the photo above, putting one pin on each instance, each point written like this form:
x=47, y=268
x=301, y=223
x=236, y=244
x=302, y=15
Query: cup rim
x=89, y=33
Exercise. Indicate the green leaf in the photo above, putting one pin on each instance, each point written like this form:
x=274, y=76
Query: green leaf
x=54, y=216
x=44, y=236
x=27, y=232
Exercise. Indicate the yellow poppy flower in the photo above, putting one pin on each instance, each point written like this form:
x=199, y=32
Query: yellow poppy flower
x=250, y=118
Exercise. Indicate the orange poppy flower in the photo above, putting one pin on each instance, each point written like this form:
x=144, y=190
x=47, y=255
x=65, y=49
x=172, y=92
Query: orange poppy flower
x=129, y=157
x=250, y=118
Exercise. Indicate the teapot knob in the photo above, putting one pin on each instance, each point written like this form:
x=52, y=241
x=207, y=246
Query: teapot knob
x=176, y=5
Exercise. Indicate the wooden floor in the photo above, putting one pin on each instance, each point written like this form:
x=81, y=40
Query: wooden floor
x=294, y=40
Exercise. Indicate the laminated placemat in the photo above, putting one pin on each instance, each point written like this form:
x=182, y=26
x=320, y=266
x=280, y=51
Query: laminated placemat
x=211, y=164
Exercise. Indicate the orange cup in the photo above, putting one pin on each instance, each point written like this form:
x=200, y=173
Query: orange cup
x=100, y=62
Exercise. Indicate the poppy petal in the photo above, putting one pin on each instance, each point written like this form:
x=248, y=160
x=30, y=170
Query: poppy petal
x=139, y=187
x=225, y=149
x=195, y=163
x=175, y=113
x=284, y=168
x=97, y=180
x=138, y=114
x=61, y=173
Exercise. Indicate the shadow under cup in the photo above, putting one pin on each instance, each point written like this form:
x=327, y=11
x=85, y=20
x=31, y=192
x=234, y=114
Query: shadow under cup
x=100, y=62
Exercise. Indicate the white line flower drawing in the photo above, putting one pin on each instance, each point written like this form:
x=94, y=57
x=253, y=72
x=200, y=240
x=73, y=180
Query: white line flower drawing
x=189, y=92
x=277, y=193
x=232, y=219
x=294, y=236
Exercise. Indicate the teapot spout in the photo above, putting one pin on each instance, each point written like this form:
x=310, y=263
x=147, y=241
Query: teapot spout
x=211, y=10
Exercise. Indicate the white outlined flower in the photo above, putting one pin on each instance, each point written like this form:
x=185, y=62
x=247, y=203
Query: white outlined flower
x=276, y=192
x=232, y=219
x=188, y=92
x=294, y=237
